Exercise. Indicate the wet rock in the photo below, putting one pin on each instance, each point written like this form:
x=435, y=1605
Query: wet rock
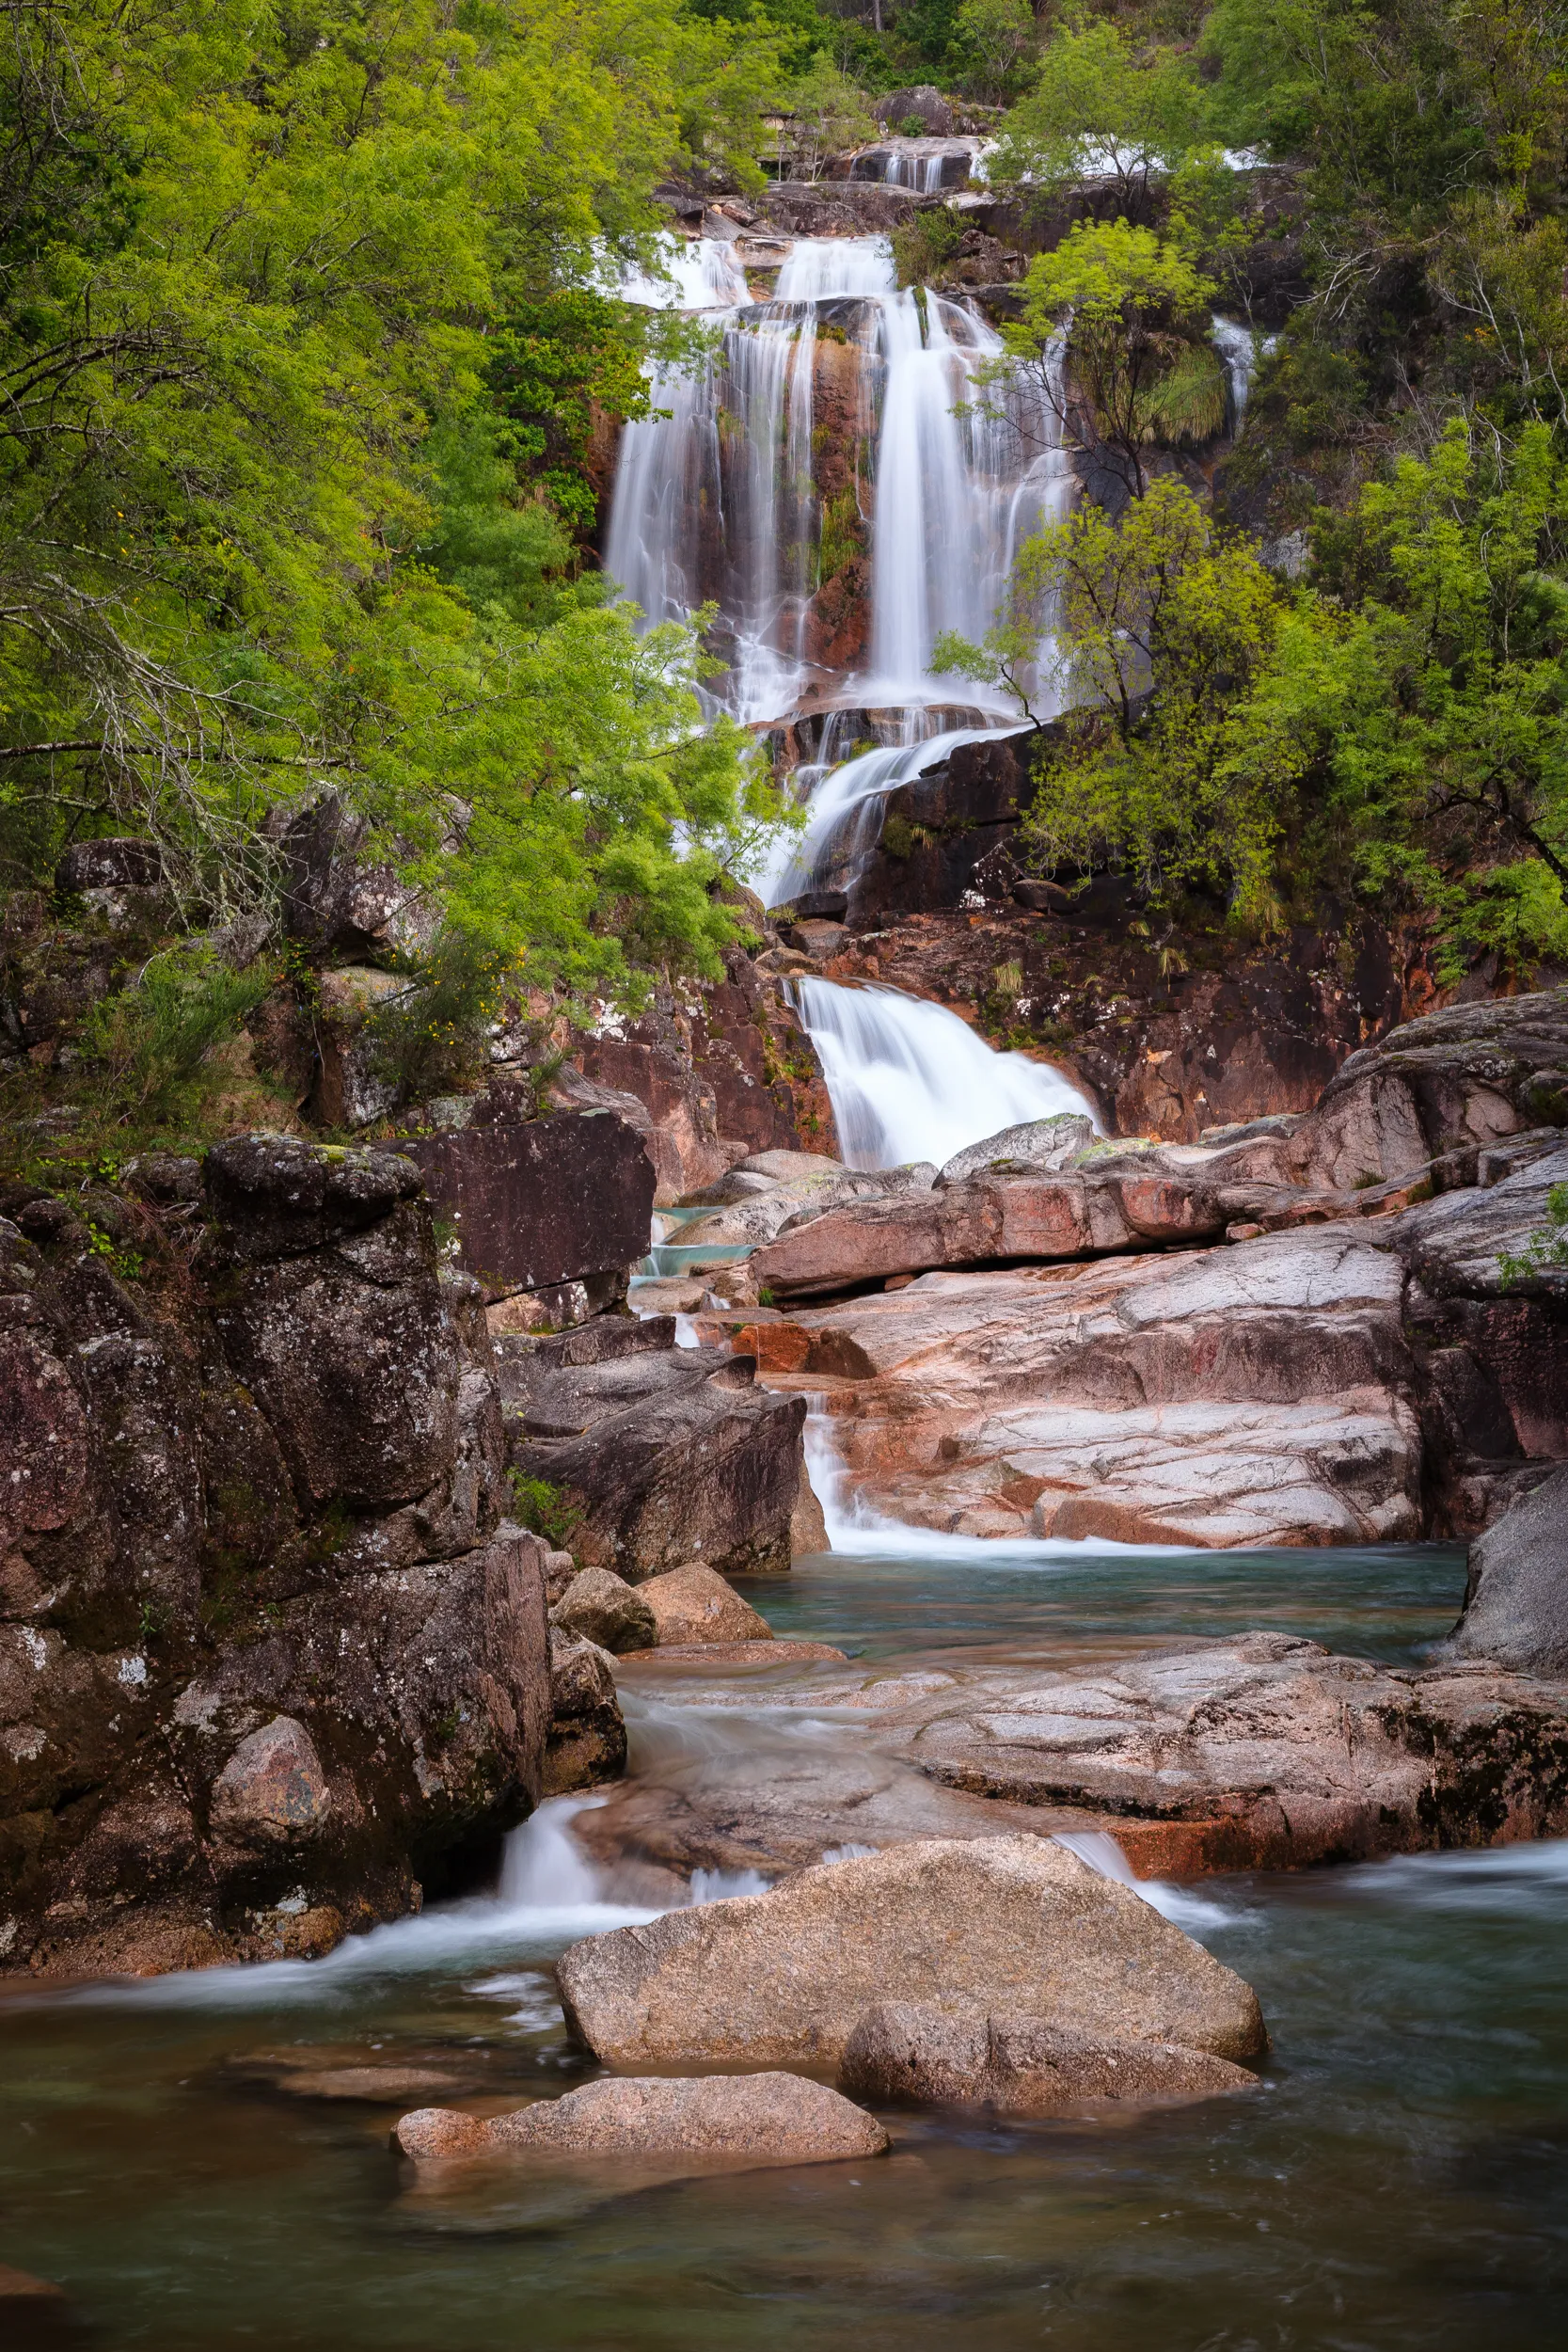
x=543, y=1202
x=1261, y=1393
x=915, y=2052
x=770, y=1652
x=587, y=1740
x=272, y=1787
x=696, y=1605
x=1010, y=1923
x=1261, y=1752
x=724, y=1069
x=665, y=1452
x=1517, y=1607
x=1040, y=1143
x=744, y=2120
x=1469, y=1074
x=602, y=1607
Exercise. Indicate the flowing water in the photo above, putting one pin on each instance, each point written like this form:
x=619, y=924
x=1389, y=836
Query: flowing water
x=183, y=2158
x=910, y=1081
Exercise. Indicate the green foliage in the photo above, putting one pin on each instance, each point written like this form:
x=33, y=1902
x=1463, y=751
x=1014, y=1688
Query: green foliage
x=923, y=244
x=149, y=1046
x=544, y=1509
x=842, y=534
x=830, y=113
x=431, y=1038
x=992, y=47
x=1132, y=309
x=1546, y=1246
x=1096, y=101
x=302, y=333
x=1165, y=621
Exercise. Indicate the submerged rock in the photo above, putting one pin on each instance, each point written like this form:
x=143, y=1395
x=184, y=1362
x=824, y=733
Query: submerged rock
x=1516, y=1608
x=1013, y=1923
x=1018, y=2065
x=732, y=2120
x=695, y=1604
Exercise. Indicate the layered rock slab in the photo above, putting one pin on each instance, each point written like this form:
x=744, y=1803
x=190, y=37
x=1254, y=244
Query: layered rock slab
x=1260, y=1394
x=1012, y=1922
x=1262, y=1753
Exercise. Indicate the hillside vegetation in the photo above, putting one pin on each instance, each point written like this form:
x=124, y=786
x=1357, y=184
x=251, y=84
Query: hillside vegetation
x=310, y=335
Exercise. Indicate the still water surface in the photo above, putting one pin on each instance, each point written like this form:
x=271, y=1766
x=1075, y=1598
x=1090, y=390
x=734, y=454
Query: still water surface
x=1401, y=2181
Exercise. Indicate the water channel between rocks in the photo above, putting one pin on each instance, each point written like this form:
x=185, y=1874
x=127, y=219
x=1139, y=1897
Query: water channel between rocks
x=203, y=2163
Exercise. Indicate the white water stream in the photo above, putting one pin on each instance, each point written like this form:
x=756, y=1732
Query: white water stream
x=910, y=1081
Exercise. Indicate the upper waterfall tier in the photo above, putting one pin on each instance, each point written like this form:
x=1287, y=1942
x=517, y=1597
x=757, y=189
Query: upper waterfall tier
x=812, y=480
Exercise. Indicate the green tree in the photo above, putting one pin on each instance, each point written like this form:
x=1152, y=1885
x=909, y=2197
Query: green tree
x=993, y=46
x=1163, y=621
x=1098, y=108
x=301, y=323
x=1113, y=336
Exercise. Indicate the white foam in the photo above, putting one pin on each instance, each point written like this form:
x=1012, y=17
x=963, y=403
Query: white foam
x=1185, y=1910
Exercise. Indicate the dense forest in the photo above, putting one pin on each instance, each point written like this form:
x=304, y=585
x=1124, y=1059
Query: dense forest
x=312, y=337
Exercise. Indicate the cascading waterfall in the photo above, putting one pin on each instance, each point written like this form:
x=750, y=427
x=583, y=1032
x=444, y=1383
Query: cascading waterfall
x=715, y=497
x=909, y=1080
x=1239, y=348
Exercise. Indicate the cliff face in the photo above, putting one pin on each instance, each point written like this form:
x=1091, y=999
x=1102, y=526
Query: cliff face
x=269, y=1653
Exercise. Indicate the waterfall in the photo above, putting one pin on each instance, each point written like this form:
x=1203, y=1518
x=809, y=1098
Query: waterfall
x=1239, y=348
x=952, y=499
x=909, y=1080
x=714, y=498
x=704, y=274
x=844, y=823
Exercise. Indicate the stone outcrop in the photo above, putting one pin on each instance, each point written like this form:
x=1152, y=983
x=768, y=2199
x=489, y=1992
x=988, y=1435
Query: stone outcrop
x=723, y=1071
x=587, y=1739
x=1516, y=1604
x=1260, y=1752
x=1007, y=1922
x=666, y=1454
x=1261, y=1394
x=912, y=2052
x=695, y=1605
x=734, y=2121
x=539, y=1205
x=268, y=1652
x=1466, y=1076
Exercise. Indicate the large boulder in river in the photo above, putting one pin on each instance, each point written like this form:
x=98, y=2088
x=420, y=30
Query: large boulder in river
x=1013, y=1923
x=735, y=2121
x=1018, y=2065
x=587, y=1740
x=601, y=1607
x=695, y=1604
x=1516, y=1608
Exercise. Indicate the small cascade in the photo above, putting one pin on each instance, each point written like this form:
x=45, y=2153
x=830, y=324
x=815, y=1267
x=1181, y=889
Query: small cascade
x=909, y=1080
x=703, y=274
x=844, y=823
x=1239, y=348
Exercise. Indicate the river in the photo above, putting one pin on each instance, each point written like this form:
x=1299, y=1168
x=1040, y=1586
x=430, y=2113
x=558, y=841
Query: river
x=179, y=2156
